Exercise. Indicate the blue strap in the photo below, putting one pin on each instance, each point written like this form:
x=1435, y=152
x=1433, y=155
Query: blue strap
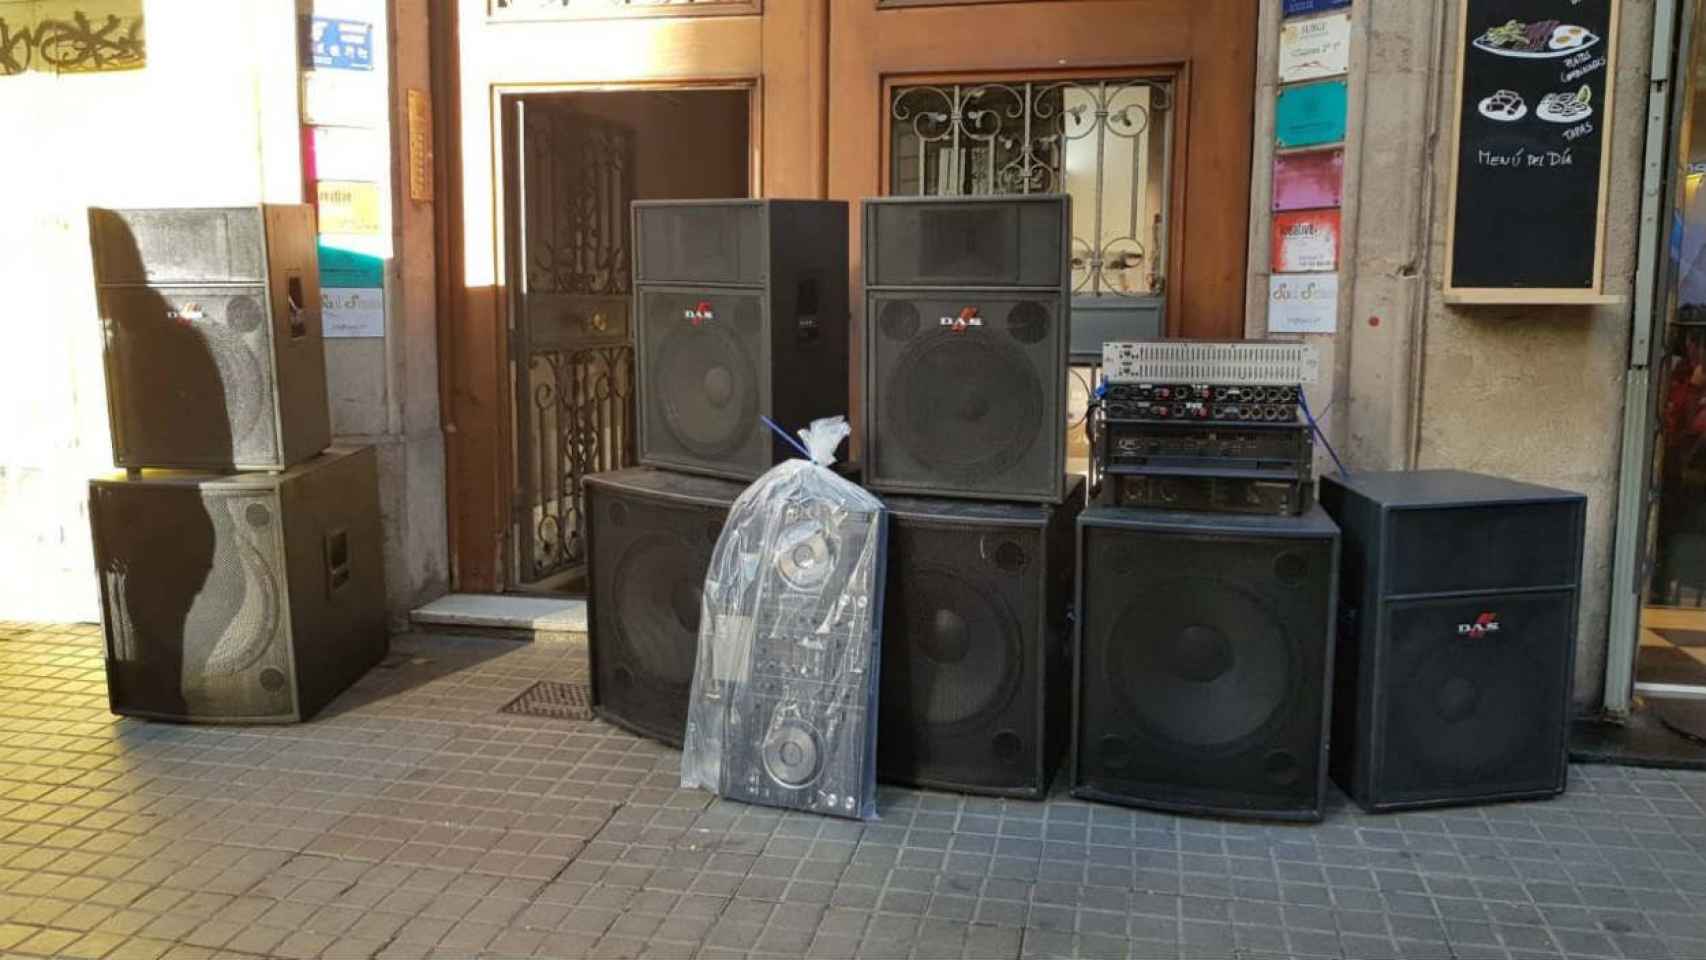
x=786, y=436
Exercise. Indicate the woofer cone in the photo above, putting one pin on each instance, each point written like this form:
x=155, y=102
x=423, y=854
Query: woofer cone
x=656, y=617
x=704, y=384
x=1202, y=665
x=965, y=404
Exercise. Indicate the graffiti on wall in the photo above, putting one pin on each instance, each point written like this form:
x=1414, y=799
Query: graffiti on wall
x=70, y=36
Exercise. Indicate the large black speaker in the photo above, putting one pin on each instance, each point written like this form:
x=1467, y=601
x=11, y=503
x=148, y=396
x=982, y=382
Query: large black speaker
x=650, y=535
x=740, y=311
x=245, y=598
x=212, y=321
x=1201, y=682
x=1457, y=636
x=966, y=335
x=976, y=644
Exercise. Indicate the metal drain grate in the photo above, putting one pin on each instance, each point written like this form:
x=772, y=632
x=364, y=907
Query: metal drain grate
x=554, y=699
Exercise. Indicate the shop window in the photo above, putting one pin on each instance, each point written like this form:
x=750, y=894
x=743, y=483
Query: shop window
x=1107, y=143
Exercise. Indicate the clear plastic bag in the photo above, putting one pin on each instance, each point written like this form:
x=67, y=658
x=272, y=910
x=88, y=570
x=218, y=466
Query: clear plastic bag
x=784, y=704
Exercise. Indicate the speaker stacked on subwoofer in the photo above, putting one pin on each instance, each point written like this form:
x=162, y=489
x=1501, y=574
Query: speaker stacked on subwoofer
x=966, y=346
x=741, y=311
x=975, y=644
x=650, y=539
x=1457, y=637
x=213, y=353
x=228, y=597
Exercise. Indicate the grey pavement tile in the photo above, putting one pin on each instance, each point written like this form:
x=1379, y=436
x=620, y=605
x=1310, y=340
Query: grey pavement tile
x=414, y=820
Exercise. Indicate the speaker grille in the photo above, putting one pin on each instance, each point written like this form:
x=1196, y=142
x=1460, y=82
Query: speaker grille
x=1203, y=666
x=702, y=354
x=973, y=633
x=958, y=242
x=193, y=379
x=706, y=243
x=973, y=402
x=1469, y=710
x=648, y=562
x=194, y=603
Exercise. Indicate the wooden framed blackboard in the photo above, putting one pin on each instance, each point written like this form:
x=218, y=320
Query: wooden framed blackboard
x=1535, y=80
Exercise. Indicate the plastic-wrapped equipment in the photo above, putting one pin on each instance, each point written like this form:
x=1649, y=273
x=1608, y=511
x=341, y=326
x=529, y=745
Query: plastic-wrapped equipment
x=784, y=705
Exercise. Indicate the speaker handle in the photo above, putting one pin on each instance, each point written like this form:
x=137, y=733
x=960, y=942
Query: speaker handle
x=337, y=560
x=806, y=310
x=293, y=301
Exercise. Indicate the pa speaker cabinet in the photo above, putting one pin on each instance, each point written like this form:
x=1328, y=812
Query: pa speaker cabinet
x=214, y=359
x=1457, y=637
x=650, y=537
x=976, y=644
x=966, y=336
x=740, y=311
x=243, y=598
x=1201, y=679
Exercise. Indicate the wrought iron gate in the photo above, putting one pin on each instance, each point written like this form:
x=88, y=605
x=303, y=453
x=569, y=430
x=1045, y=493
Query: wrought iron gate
x=570, y=182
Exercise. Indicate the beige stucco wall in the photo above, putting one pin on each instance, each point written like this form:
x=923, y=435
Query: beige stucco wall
x=197, y=125
x=1532, y=393
x=211, y=119
x=1536, y=393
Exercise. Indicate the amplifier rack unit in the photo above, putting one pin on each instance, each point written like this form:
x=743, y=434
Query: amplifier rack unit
x=1240, y=363
x=1251, y=467
x=1202, y=402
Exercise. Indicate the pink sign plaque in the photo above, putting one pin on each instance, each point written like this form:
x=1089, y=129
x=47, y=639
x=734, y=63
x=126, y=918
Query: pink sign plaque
x=1306, y=242
x=1309, y=180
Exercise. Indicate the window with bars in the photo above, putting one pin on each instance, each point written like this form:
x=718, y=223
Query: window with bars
x=1107, y=143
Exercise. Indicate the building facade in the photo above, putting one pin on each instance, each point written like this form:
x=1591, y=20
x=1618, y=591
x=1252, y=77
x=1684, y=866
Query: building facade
x=1166, y=120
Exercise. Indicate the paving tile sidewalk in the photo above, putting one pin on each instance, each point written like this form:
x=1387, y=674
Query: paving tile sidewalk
x=413, y=819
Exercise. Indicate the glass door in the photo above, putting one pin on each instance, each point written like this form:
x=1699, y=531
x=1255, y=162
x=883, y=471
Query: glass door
x=1670, y=648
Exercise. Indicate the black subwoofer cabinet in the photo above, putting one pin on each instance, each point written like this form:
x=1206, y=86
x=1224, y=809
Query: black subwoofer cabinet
x=651, y=534
x=965, y=346
x=1201, y=682
x=1456, y=636
x=214, y=358
x=240, y=598
x=740, y=311
x=976, y=643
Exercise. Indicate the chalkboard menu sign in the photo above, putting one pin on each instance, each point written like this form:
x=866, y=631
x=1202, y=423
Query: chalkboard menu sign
x=1528, y=184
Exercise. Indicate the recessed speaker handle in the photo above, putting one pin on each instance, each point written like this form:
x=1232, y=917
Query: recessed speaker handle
x=806, y=310
x=293, y=302
x=337, y=560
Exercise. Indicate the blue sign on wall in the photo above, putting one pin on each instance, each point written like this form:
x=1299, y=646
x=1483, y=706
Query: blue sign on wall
x=1310, y=114
x=1296, y=7
x=334, y=44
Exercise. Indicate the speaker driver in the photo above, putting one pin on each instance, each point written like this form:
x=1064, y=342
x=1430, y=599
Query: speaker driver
x=793, y=755
x=703, y=380
x=805, y=555
x=1202, y=664
x=962, y=664
x=965, y=404
x=658, y=584
x=1472, y=710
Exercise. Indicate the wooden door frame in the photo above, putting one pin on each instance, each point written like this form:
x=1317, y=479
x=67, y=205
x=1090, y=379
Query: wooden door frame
x=777, y=47
x=1175, y=71
x=502, y=95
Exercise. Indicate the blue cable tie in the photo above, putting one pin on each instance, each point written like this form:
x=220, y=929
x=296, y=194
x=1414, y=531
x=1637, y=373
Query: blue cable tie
x=1303, y=402
x=786, y=436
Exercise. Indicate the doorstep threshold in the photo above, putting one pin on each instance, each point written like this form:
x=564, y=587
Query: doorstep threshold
x=504, y=612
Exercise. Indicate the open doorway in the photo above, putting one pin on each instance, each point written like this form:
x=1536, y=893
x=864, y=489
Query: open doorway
x=573, y=163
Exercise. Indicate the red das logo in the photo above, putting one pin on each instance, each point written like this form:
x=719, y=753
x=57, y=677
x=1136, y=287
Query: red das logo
x=968, y=318
x=700, y=313
x=1484, y=624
